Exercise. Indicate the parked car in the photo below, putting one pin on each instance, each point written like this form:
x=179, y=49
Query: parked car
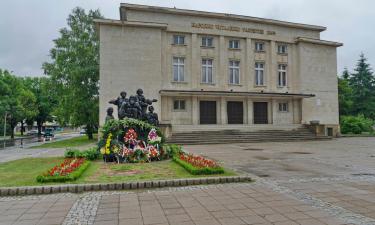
x=49, y=134
x=82, y=131
x=32, y=132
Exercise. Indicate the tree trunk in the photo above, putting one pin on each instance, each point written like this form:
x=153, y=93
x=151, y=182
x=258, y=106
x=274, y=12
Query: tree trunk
x=39, y=124
x=22, y=128
x=89, y=131
x=11, y=131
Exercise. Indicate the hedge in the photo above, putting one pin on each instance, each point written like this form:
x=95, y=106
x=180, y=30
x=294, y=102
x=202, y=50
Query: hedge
x=70, y=177
x=198, y=171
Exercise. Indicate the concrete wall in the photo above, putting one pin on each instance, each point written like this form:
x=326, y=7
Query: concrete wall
x=318, y=75
x=130, y=58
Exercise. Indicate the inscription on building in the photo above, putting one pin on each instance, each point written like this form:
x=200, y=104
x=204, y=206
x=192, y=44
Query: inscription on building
x=231, y=28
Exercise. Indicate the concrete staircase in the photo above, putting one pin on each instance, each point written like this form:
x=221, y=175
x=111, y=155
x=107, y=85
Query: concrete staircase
x=299, y=133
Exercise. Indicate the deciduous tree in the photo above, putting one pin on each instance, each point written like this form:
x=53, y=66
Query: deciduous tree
x=74, y=70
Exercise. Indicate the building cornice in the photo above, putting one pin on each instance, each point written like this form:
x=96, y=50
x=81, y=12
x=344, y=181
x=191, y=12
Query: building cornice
x=232, y=93
x=318, y=41
x=166, y=10
x=130, y=23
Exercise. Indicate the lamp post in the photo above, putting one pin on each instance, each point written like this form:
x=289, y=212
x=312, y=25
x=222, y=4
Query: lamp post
x=5, y=127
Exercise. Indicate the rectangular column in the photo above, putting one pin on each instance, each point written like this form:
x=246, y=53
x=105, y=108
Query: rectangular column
x=222, y=78
x=195, y=62
x=223, y=111
x=272, y=68
x=195, y=110
x=249, y=65
x=250, y=111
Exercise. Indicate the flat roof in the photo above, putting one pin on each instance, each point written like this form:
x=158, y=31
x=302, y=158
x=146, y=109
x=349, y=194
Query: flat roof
x=188, y=12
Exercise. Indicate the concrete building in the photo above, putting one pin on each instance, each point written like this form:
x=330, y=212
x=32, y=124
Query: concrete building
x=220, y=71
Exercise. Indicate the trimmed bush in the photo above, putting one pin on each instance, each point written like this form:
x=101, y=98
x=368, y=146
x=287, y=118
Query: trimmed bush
x=70, y=177
x=173, y=150
x=91, y=154
x=198, y=171
x=73, y=153
x=356, y=124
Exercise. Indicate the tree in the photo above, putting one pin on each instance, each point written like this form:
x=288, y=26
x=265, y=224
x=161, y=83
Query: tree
x=45, y=100
x=345, y=94
x=74, y=71
x=362, y=81
x=16, y=101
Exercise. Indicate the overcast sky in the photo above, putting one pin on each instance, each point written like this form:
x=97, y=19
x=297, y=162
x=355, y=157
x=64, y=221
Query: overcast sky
x=27, y=27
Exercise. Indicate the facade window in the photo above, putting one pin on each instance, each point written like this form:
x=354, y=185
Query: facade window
x=259, y=46
x=234, y=44
x=178, y=39
x=179, y=104
x=234, y=72
x=283, y=107
x=207, y=42
x=259, y=74
x=178, y=69
x=282, y=49
x=207, y=66
x=282, y=75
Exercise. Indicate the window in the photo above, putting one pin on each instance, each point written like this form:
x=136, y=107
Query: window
x=179, y=105
x=178, y=69
x=207, y=42
x=234, y=44
x=282, y=75
x=234, y=72
x=259, y=46
x=178, y=39
x=259, y=74
x=207, y=71
x=283, y=107
x=282, y=49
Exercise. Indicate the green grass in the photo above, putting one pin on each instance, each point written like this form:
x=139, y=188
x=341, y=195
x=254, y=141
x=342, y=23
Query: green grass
x=23, y=172
x=69, y=143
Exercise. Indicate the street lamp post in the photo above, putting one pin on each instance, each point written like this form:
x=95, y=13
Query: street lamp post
x=5, y=127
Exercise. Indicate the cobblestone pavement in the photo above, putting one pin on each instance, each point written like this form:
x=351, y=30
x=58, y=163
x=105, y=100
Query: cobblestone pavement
x=337, y=176
x=319, y=182
x=241, y=203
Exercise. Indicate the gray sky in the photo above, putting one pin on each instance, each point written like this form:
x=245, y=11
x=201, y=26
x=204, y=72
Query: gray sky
x=27, y=27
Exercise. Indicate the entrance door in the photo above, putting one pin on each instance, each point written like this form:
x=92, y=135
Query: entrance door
x=260, y=113
x=207, y=112
x=235, y=112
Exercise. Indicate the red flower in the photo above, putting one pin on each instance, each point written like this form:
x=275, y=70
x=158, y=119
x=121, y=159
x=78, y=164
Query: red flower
x=198, y=161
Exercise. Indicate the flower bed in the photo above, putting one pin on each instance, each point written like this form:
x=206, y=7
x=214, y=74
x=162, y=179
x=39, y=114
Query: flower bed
x=131, y=141
x=198, y=165
x=69, y=170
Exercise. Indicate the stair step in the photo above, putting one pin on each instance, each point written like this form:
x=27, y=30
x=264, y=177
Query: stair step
x=241, y=136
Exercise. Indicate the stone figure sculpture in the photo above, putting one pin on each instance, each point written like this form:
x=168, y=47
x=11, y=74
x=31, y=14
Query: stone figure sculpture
x=109, y=114
x=134, y=107
x=152, y=117
x=119, y=102
x=143, y=102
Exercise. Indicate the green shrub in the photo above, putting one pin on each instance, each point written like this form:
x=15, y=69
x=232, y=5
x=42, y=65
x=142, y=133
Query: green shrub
x=91, y=154
x=71, y=177
x=356, y=124
x=198, y=171
x=73, y=153
x=173, y=150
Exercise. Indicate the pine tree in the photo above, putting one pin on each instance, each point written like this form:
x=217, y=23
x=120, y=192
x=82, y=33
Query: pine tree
x=362, y=81
x=345, y=94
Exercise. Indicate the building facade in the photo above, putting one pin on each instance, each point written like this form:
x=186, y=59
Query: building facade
x=213, y=70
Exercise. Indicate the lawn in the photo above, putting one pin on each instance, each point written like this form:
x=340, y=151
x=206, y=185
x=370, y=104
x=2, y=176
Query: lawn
x=24, y=171
x=69, y=143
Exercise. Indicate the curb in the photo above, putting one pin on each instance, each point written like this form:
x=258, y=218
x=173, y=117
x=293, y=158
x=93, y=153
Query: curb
x=79, y=188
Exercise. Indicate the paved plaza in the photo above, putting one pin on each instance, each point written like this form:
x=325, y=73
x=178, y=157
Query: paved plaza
x=317, y=182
